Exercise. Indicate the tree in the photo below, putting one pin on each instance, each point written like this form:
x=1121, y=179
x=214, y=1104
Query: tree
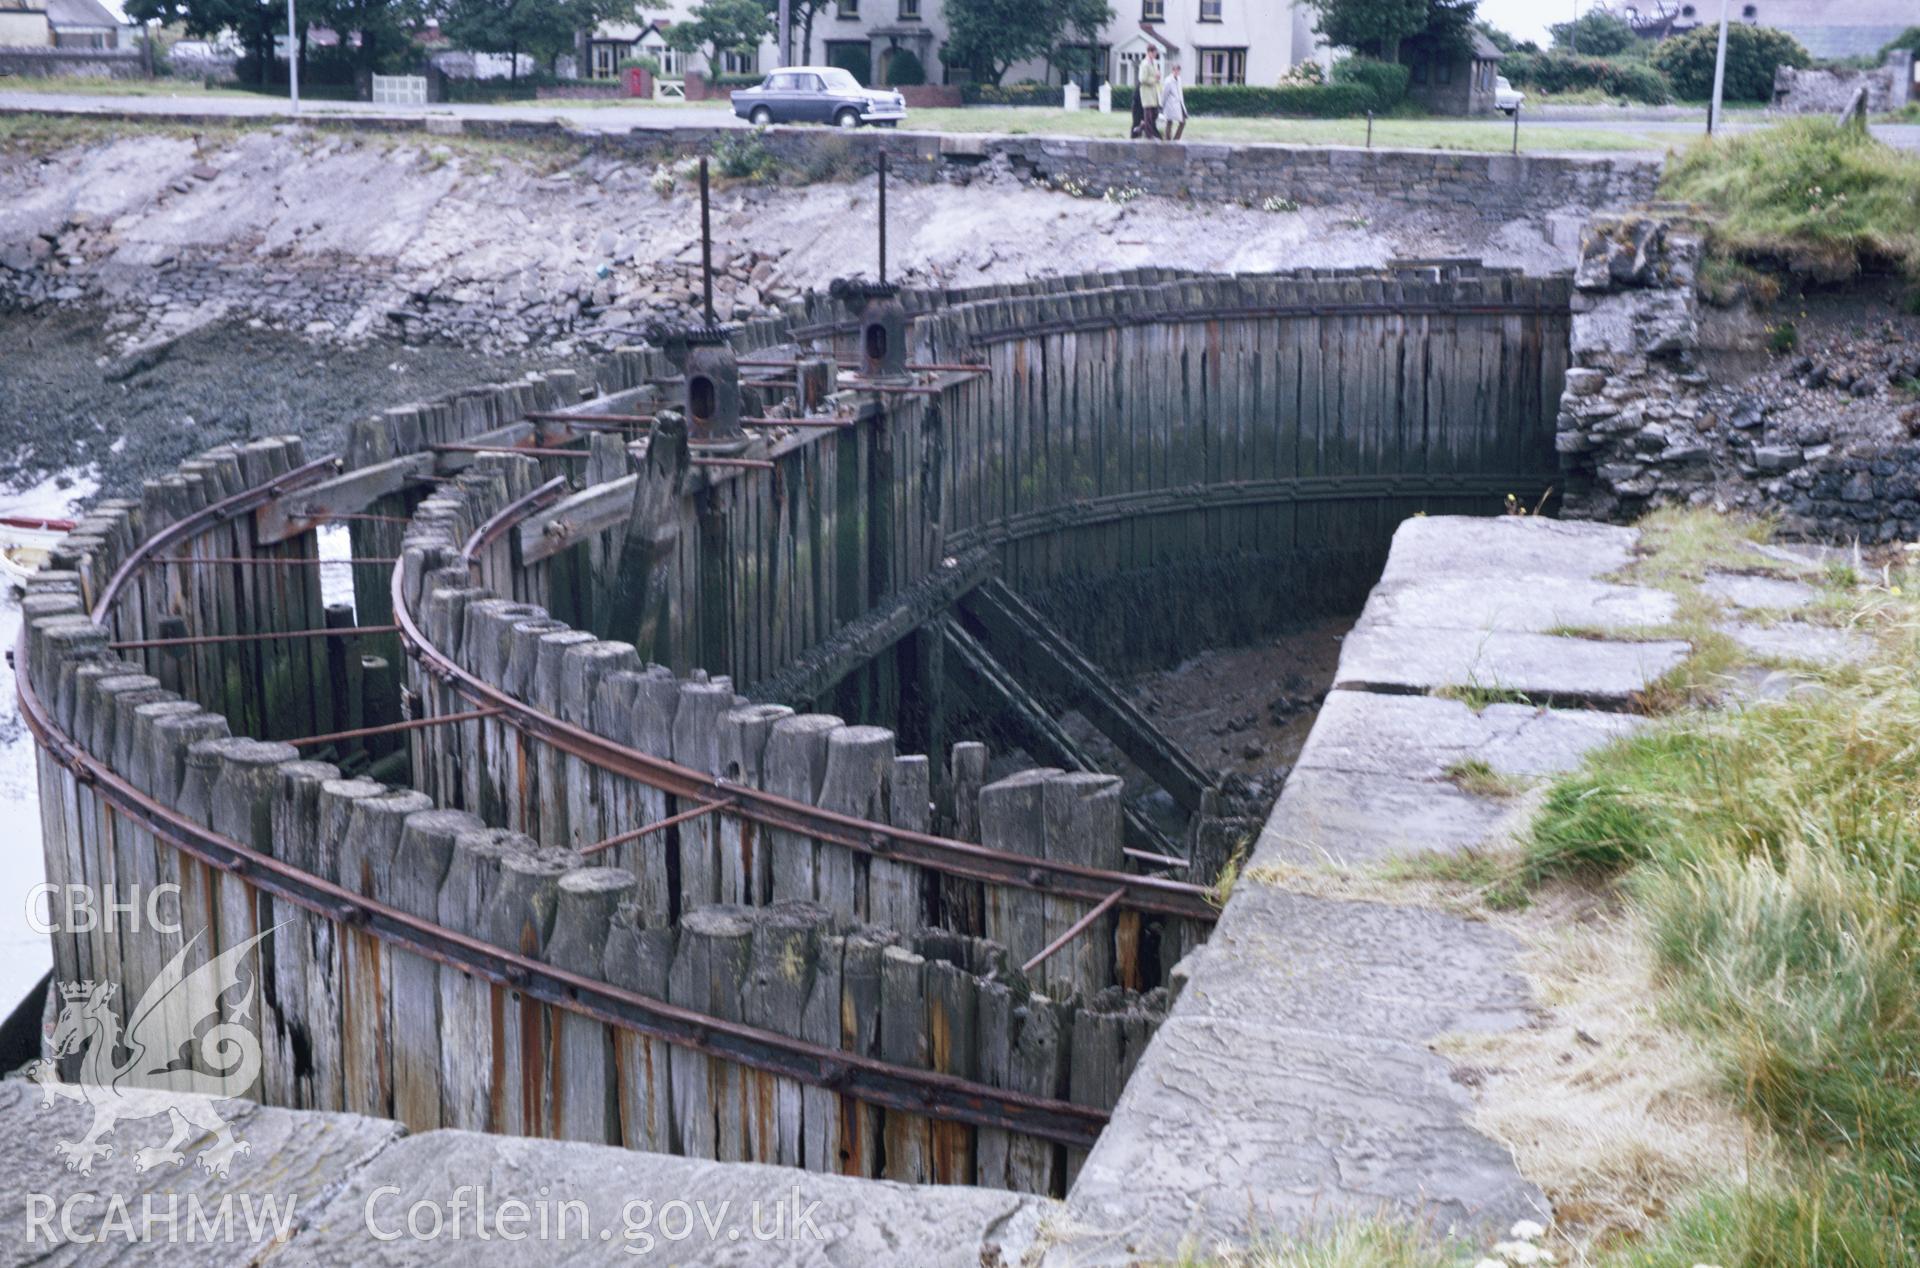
x=543, y=28
x=1596, y=34
x=989, y=36
x=253, y=22
x=1377, y=28
x=1084, y=19
x=1753, y=53
x=1372, y=27
x=722, y=26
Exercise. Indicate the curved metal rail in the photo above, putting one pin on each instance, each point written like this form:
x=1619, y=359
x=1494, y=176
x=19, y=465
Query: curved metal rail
x=964, y=859
x=924, y=1092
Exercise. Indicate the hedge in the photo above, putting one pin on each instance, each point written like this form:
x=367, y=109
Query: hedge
x=1387, y=80
x=1562, y=72
x=1752, y=55
x=1317, y=101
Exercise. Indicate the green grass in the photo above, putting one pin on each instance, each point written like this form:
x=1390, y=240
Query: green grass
x=1473, y=775
x=1821, y=199
x=121, y=87
x=1775, y=853
x=1494, y=135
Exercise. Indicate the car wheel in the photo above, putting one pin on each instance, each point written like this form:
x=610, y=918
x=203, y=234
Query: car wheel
x=847, y=118
x=761, y=116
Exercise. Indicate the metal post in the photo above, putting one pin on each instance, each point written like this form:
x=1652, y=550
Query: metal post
x=706, y=244
x=883, y=217
x=293, y=61
x=1516, y=127
x=1719, y=72
x=786, y=33
x=1369, y=129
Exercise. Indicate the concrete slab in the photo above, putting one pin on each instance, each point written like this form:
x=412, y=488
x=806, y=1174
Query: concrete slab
x=1421, y=737
x=1294, y=1085
x=1744, y=591
x=1798, y=641
x=1541, y=666
x=729, y=1213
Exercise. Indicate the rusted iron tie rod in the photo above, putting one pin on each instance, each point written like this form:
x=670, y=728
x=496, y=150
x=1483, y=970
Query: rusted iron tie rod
x=662, y=825
x=758, y=463
x=364, y=516
x=1079, y=927
x=889, y=389
x=799, y=422
x=391, y=728
x=549, y=416
x=264, y=562
x=1157, y=860
x=199, y=640
x=526, y=451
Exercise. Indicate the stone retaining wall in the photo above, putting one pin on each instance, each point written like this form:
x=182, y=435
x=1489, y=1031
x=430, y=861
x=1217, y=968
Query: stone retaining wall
x=81, y=63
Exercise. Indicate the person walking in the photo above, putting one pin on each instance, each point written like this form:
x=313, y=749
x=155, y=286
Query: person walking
x=1147, y=93
x=1173, y=102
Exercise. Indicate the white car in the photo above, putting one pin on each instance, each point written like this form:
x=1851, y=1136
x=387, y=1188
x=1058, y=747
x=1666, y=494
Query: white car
x=1506, y=96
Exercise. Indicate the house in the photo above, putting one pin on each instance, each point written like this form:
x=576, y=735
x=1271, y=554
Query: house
x=1450, y=81
x=1829, y=29
x=1217, y=41
x=57, y=24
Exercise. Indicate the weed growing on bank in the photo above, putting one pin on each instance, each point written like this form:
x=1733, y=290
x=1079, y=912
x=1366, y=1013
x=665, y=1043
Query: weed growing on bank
x=1825, y=200
x=1773, y=854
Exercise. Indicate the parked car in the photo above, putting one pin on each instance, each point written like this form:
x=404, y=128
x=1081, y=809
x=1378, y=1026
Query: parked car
x=818, y=94
x=1506, y=96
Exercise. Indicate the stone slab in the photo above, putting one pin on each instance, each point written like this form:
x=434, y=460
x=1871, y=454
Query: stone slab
x=1483, y=547
x=1758, y=593
x=294, y=1159
x=1536, y=604
x=1541, y=666
x=1294, y=1085
x=1421, y=737
x=626, y=1198
x=1351, y=819
x=1798, y=641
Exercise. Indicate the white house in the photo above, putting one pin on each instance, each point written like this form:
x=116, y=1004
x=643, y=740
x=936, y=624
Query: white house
x=1217, y=41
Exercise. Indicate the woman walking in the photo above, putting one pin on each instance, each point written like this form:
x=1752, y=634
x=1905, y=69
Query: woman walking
x=1173, y=102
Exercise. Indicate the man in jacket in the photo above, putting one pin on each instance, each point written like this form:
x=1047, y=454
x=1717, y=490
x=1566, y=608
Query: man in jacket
x=1148, y=92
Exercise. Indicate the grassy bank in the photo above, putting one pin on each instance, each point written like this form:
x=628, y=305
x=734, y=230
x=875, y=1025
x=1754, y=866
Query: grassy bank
x=1773, y=854
x=1823, y=200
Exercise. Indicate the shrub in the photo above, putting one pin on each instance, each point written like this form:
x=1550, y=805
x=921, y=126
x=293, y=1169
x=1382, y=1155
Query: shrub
x=1015, y=94
x=1386, y=80
x=1908, y=39
x=743, y=156
x=1753, y=53
x=1315, y=101
x=904, y=69
x=1559, y=72
x=1596, y=34
x=647, y=64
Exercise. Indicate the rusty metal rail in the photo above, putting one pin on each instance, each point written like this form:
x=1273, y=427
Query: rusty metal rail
x=867, y=1079
x=964, y=859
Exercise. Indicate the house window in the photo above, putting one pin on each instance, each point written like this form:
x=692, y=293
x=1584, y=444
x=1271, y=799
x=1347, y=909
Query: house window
x=1443, y=72
x=739, y=61
x=606, y=60
x=847, y=10
x=909, y=10
x=1209, y=10
x=1223, y=66
x=672, y=63
x=1153, y=10
x=1419, y=72
x=1751, y=13
x=1126, y=69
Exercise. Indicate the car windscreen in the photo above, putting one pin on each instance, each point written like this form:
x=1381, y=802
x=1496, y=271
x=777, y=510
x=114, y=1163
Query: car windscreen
x=840, y=81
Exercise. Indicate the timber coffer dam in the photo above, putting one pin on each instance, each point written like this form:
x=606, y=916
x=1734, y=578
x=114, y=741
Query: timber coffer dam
x=634, y=796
